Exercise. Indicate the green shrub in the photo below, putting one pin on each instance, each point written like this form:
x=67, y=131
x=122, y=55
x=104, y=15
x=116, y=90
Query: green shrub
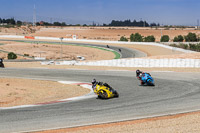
x=198, y=47
x=192, y=47
x=26, y=54
x=178, y=39
x=149, y=39
x=175, y=39
x=173, y=45
x=136, y=37
x=164, y=38
x=12, y=55
x=123, y=39
x=191, y=37
x=184, y=46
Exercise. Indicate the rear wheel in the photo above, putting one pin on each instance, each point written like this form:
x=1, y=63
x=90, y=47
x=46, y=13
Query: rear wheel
x=142, y=83
x=103, y=95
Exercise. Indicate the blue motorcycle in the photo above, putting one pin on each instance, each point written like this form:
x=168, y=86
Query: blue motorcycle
x=146, y=79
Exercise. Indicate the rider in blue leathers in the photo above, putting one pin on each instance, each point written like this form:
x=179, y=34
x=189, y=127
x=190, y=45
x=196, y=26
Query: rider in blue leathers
x=145, y=78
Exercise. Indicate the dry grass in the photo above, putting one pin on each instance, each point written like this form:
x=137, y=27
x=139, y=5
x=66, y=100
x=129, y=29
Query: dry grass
x=53, y=51
x=25, y=91
x=109, y=33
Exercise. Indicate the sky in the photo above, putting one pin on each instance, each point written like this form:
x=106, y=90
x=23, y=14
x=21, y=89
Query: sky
x=164, y=12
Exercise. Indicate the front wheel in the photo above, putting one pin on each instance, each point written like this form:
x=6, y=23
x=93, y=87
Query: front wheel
x=151, y=83
x=2, y=65
x=116, y=94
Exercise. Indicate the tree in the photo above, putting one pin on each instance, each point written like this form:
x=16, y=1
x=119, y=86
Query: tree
x=57, y=24
x=19, y=23
x=128, y=23
x=123, y=39
x=149, y=39
x=12, y=21
x=153, y=24
x=63, y=24
x=178, y=39
x=136, y=37
x=191, y=37
x=164, y=38
x=12, y=55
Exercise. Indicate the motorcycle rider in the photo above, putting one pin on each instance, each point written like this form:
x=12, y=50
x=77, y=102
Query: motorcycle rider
x=1, y=63
x=138, y=72
x=141, y=76
x=94, y=83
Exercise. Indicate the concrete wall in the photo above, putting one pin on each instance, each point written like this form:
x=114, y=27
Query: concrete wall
x=136, y=62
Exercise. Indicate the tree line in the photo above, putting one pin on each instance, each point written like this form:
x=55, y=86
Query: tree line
x=190, y=37
x=138, y=38
x=131, y=23
x=8, y=21
x=12, y=21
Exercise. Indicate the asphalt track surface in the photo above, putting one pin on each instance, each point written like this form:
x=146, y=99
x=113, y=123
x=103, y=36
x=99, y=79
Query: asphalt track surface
x=125, y=52
x=173, y=93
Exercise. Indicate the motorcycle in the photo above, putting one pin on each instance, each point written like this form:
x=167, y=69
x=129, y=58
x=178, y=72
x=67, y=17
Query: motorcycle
x=146, y=78
x=104, y=91
x=1, y=63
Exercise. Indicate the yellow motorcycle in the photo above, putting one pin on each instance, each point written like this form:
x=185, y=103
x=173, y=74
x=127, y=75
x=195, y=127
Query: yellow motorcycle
x=104, y=91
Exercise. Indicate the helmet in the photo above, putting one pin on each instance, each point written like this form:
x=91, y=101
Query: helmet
x=138, y=72
x=140, y=75
x=94, y=81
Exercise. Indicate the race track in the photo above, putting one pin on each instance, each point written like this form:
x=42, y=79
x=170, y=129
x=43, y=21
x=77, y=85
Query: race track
x=173, y=93
x=125, y=52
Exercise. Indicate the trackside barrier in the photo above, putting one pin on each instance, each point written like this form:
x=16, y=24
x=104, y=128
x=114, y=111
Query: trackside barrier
x=136, y=62
x=101, y=41
x=29, y=37
x=11, y=36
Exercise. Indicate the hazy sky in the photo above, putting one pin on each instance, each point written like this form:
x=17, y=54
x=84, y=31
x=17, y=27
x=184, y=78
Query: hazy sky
x=167, y=12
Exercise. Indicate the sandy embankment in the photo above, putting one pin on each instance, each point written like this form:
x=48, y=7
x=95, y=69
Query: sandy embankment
x=26, y=91
x=53, y=51
x=181, y=123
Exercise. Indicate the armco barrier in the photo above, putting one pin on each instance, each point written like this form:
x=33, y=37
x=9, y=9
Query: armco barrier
x=136, y=62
